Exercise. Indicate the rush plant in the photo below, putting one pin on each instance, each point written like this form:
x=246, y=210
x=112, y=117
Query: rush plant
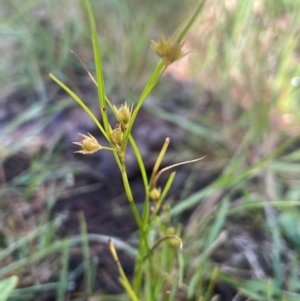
x=156, y=276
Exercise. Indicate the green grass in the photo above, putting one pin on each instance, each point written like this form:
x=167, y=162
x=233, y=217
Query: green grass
x=248, y=56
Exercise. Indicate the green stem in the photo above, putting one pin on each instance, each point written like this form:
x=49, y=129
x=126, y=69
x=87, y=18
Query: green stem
x=146, y=208
x=157, y=73
x=98, y=64
x=81, y=103
x=130, y=197
x=163, y=195
x=158, y=161
x=140, y=162
x=186, y=28
x=137, y=280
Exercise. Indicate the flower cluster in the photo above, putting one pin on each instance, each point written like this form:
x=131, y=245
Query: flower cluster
x=89, y=144
x=124, y=114
x=169, y=49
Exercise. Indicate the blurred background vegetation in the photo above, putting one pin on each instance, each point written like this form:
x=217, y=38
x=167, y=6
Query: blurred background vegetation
x=234, y=97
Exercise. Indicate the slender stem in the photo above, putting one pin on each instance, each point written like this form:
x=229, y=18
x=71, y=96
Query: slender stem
x=146, y=208
x=157, y=73
x=172, y=166
x=158, y=161
x=137, y=279
x=81, y=103
x=161, y=240
x=98, y=64
x=130, y=197
x=163, y=195
x=140, y=162
x=186, y=28
x=123, y=279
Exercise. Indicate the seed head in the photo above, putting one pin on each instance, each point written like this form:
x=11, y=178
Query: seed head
x=168, y=49
x=89, y=144
x=173, y=241
x=124, y=113
x=117, y=136
x=155, y=194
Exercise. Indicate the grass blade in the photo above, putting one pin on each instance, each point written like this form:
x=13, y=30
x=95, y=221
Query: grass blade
x=63, y=283
x=7, y=286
